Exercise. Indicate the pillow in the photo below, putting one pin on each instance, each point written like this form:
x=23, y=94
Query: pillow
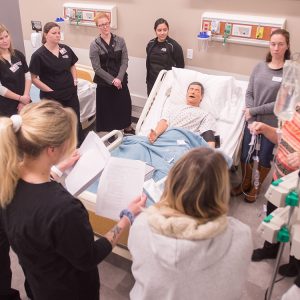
x=217, y=89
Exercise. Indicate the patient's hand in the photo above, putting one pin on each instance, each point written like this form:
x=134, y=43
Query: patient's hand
x=152, y=136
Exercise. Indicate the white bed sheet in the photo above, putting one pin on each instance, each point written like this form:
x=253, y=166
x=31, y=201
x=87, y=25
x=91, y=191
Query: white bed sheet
x=86, y=94
x=224, y=98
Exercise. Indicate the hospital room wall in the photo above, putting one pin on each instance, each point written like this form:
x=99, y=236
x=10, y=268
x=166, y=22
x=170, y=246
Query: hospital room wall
x=135, y=24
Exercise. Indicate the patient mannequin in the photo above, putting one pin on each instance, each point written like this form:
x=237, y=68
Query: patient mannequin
x=191, y=249
x=188, y=116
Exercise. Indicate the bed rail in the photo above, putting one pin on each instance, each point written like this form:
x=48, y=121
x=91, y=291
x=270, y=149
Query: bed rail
x=150, y=100
x=118, y=139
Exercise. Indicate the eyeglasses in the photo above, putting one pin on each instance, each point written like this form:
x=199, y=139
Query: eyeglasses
x=103, y=25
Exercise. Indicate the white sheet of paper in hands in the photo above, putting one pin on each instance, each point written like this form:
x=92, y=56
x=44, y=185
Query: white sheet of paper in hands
x=121, y=181
x=154, y=189
x=93, y=158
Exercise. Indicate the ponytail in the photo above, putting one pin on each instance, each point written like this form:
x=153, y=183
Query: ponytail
x=9, y=161
x=29, y=134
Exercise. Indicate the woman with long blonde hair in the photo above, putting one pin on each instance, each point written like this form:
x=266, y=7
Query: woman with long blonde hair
x=191, y=249
x=46, y=226
x=15, y=79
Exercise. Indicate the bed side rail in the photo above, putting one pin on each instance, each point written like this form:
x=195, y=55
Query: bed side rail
x=150, y=100
x=118, y=139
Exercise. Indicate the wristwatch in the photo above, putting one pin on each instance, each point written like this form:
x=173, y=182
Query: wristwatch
x=127, y=213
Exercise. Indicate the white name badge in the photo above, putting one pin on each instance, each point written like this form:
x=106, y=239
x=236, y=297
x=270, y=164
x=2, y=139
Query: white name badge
x=277, y=79
x=63, y=51
x=66, y=56
x=14, y=68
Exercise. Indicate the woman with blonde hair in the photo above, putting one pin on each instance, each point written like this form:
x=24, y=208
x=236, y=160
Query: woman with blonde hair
x=109, y=58
x=191, y=248
x=15, y=79
x=46, y=226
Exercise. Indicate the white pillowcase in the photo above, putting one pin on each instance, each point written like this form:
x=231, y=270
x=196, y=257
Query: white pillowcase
x=217, y=89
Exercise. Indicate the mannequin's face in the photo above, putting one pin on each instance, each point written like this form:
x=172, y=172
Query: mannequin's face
x=194, y=95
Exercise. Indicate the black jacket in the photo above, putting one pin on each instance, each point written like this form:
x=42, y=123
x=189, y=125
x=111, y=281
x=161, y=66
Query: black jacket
x=175, y=57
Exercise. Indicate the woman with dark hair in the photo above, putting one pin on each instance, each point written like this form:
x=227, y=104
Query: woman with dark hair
x=53, y=71
x=190, y=245
x=15, y=79
x=163, y=53
x=261, y=95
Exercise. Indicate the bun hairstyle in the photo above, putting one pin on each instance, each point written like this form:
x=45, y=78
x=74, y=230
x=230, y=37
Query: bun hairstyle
x=47, y=27
x=43, y=124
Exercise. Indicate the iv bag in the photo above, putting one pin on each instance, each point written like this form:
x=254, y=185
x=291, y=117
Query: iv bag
x=289, y=93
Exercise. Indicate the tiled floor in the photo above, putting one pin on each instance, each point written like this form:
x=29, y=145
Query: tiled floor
x=116, y=278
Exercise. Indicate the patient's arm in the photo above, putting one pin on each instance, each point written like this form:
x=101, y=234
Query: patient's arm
x=160, y=128
x=209, y=137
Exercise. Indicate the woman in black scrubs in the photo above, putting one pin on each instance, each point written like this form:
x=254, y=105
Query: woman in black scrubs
x=15, y=79
x=53, y=71
x=47, y=227
x=109, y=57
x=15, y=85
x=163, y=53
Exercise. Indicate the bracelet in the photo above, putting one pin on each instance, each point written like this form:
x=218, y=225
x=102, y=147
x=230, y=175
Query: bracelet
x=20, y=98
x=56, y=171
x=127, y=213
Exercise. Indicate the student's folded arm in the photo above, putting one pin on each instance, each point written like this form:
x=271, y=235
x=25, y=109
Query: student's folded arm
x=39, y=84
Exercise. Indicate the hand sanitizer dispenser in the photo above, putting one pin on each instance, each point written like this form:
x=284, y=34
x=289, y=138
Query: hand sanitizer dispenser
x=61, y=22
x=36, y=37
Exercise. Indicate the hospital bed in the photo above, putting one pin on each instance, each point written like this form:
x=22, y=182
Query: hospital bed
x=224, y=98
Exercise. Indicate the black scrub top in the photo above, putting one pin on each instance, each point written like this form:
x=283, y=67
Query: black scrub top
x=12, y=76
x=55, y=71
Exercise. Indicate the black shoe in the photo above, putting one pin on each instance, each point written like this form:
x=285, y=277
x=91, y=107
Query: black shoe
x=288, y=270
x=131, y=131
x=263, y=253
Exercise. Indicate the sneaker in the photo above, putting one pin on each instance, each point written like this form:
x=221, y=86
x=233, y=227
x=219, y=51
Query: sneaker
x=263, y=253
x=288, y=270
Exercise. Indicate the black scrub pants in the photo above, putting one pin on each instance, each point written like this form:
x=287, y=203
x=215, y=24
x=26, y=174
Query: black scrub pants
x=67, y=98
x=73, y=102
x=6, y=292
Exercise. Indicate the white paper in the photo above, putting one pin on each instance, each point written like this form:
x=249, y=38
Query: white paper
x=93, y=158
x=155, y=189
x=120, y=182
